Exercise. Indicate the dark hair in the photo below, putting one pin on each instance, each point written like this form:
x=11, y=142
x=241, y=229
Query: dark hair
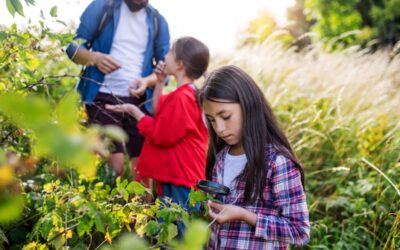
x=194, y=55
x=260, y=127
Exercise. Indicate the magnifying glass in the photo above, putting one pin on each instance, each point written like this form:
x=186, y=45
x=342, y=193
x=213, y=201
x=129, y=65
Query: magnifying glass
x=212, y=187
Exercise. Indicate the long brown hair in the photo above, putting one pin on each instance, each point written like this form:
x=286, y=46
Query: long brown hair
x=260, y=127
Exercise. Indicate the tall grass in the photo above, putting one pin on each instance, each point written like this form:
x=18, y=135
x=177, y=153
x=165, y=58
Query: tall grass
x=341, y=111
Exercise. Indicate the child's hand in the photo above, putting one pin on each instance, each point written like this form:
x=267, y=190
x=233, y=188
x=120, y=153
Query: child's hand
x=224, y=212
x=121, y=108
x=126, y=108
x=159, y=71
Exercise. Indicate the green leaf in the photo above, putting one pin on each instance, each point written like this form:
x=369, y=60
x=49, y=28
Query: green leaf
x=172, y=231
x=3, y=35
x=85, y=225
x=3, y=158
x=11, y=208
x=168, y=215
x=94, y=213
x=168, y=232
x=45, y=226
x=42, y=15
x=30, y=2
x=128, y=242
x=26, y=111
x=152, y=228
x=3, y=237
x=67, y=149
x=195, y=236
x=197, y=196
x=68, y=111
x=126, y=195
x=10, y=7
x=53, y=11
x=114, y=132
x=61, y=22
x=118, y=181
x=124, y=183
x=136, y=188
x=17, y=7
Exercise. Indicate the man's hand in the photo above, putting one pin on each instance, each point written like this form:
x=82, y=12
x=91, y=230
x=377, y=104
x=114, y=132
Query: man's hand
x=105, y=63
x=138, y=87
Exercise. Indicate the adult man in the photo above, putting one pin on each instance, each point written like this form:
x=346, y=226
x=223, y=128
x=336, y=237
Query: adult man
x=119, y=66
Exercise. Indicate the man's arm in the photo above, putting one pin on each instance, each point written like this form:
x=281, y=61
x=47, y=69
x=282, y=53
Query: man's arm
x=86, y=31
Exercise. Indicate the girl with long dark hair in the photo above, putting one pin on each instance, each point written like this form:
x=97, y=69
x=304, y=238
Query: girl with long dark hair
x=248, y=152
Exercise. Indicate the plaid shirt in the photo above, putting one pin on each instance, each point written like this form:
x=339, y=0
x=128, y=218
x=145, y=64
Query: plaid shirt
x=282, y=218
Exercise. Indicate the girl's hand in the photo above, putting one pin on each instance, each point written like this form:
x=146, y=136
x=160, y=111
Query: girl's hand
x=159, y=71
x=121, y=108
x=224, y=212
x=126, y=108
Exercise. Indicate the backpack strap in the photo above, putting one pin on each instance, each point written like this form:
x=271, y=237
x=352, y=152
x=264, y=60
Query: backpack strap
x=156, y=31
x=108, y=12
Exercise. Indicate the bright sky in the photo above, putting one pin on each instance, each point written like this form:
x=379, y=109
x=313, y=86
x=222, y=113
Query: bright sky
x=215, y=22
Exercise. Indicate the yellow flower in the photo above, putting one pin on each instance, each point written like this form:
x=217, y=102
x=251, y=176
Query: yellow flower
x=6, y=175
x=108, y=238
x=30, y=246
x=68, y=234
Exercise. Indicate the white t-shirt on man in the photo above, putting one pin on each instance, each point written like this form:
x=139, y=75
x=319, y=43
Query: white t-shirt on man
x=128, y=49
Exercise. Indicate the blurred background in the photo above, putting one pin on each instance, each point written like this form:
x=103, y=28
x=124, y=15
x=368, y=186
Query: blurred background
x=330, y=70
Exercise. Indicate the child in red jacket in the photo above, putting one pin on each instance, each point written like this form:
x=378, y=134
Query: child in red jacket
x=176, y=138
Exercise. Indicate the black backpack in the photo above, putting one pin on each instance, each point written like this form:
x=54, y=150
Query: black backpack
x=108, y=13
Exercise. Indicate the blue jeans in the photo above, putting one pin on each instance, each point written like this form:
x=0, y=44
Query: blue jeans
x=179, y=195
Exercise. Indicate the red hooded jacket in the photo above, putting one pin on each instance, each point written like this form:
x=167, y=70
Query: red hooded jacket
x=176, y=140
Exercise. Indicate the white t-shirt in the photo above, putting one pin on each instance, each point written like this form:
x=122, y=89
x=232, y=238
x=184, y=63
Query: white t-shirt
x=128, y=49
x=233, y=166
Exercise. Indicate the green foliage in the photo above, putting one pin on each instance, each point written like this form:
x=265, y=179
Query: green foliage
x=386, y=18
x=334, y=17
x=86, y=212
x=356, y=21
x=339, y=24
x=33, y=113
x=39, y=113
x=11, y=207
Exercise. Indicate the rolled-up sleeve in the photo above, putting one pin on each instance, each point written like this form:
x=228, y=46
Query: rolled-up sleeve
x=292, y=224
x=87, y=27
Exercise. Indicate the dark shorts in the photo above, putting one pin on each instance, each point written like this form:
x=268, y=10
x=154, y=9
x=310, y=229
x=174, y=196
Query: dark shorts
x=97, y=114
